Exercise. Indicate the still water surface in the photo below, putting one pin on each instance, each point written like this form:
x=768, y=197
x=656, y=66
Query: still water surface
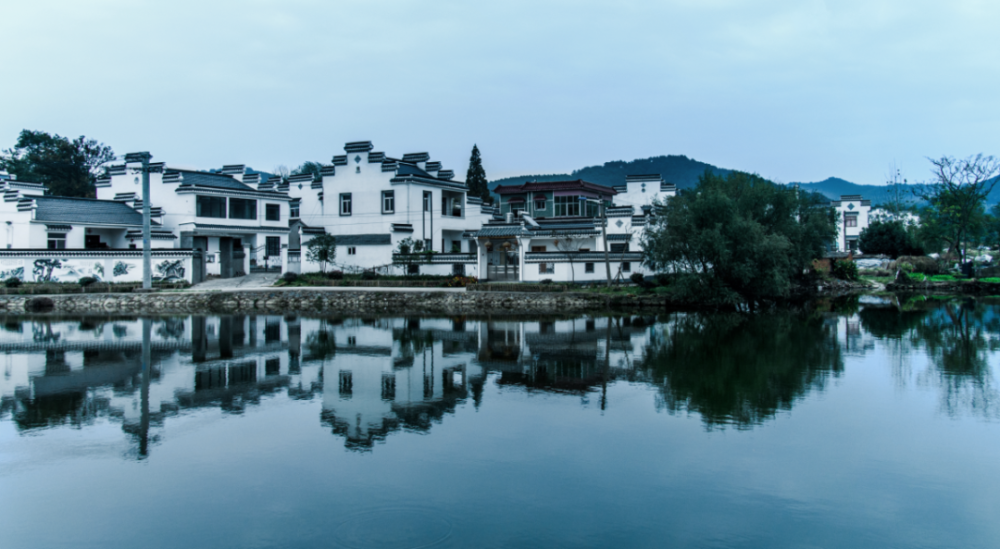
x=878, y=426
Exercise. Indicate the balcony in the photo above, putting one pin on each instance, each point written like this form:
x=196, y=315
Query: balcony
x=433, y=258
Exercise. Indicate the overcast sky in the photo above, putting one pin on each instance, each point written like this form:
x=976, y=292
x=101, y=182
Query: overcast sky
x=795, y=90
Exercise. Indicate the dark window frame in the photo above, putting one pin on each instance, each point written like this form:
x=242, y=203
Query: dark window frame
x=240, y=207
x=208, y=206
x=345, y=199
x=272, y=208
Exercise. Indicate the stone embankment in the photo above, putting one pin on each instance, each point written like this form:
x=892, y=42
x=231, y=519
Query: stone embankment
x=306, y=301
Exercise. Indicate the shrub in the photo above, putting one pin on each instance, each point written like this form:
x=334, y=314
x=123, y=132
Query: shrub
x=844, y=269
x=290, y=276
x=547, y=281
x=40, y=304
x=87, y=281
x=922, y=264
x=369, y=275
x=637, y=278
x=888, y=238
x=12, y=282
x=335, y=275
x=906, y=267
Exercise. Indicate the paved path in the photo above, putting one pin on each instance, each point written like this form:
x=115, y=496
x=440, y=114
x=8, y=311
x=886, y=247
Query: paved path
x=265, y=281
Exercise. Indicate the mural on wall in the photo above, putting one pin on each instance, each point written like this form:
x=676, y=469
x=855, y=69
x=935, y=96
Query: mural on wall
x=12, y=273
x=98, y=271
x=170, y=270
x=43, y=271
x=122, y=268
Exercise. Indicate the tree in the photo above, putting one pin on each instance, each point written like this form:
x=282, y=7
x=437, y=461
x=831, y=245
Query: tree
x=957, y=197
x=66, y=168
x=281, y=171
x=475, y=178
x=898, y=200
x=888, y=238
x=739, y=239
x=308, y=167
x=322, y=249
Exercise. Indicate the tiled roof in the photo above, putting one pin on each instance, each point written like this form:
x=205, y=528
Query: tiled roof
x=358, y=146
x=85, y=210
x=203, y=179
x=363, y=239
x=501, y=230
x=416, y=157
x=554, y=186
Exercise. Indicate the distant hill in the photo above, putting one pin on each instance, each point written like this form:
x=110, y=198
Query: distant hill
x=679, y=170
x=684, y=172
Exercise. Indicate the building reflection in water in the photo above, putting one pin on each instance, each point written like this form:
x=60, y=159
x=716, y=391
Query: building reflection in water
x=376, y=376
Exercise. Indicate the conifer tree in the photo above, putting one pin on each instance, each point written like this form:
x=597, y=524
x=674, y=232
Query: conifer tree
x=476, y=177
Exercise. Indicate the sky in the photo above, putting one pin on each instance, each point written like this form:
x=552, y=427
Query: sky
x=794, y=90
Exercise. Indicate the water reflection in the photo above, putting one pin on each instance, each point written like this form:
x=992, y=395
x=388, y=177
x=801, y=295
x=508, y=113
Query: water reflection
x=376, y=376
x=739, y=370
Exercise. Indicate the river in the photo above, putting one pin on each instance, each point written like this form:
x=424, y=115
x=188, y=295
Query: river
x=855, y=424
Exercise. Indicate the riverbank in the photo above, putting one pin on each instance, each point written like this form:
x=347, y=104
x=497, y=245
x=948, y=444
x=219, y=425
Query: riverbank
x=340, y=300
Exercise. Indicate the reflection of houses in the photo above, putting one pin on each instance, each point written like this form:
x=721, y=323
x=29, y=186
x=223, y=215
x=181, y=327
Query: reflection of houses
x=563, y=355
x=402, y=374
x=376, y=376
x=558, y=229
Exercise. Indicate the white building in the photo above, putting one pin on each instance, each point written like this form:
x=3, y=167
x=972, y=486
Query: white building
x=553, y=230
x=241, y=227
x=852, y=214
x=371, y=202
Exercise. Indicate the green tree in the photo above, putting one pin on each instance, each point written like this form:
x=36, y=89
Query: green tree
x=322, y=249
x=475, y=178
x=957, y=197
x=888, y=238
x=740, y=239
x=66, y=168
x=308, y=167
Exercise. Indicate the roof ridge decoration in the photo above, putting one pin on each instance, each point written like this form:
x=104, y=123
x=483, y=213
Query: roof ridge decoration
x=432, y=166
x=413, y=158
x=358, y=147
x=327, y=170
x=339, y=160
x=376, y=157
x=231, y=169
x=300, y=178
x=389, y=165
x=643, y=178
x=251, y=178
x=446, y=174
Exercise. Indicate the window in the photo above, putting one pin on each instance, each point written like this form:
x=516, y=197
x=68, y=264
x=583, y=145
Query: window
x=352, y=340
x=273, y=246
x=538, y=248
x=516, y=209
x=588, y=267
x=427, y=245
x=539, y=204
x=210, y=206
x=242, y=208
x=626, y=267
x=412, y=269
x=619, y=248
x=458, y=269
x=57, y=241
x=567, y=206
x=293, y=210
x=427, y=201
x=346, y=383
x=272, y=212
x=345, y=203
x=546, y=268
x=851, y=220
x=388, y=202
x=352, y=251
x=388, y=386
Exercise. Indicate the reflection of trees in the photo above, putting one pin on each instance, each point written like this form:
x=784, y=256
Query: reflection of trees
x=738, y=370
x=957, y=336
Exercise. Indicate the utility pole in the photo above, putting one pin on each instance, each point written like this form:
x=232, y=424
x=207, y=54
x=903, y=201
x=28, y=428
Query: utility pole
x=604, y=237
x=147, y=260
x=604, y=230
